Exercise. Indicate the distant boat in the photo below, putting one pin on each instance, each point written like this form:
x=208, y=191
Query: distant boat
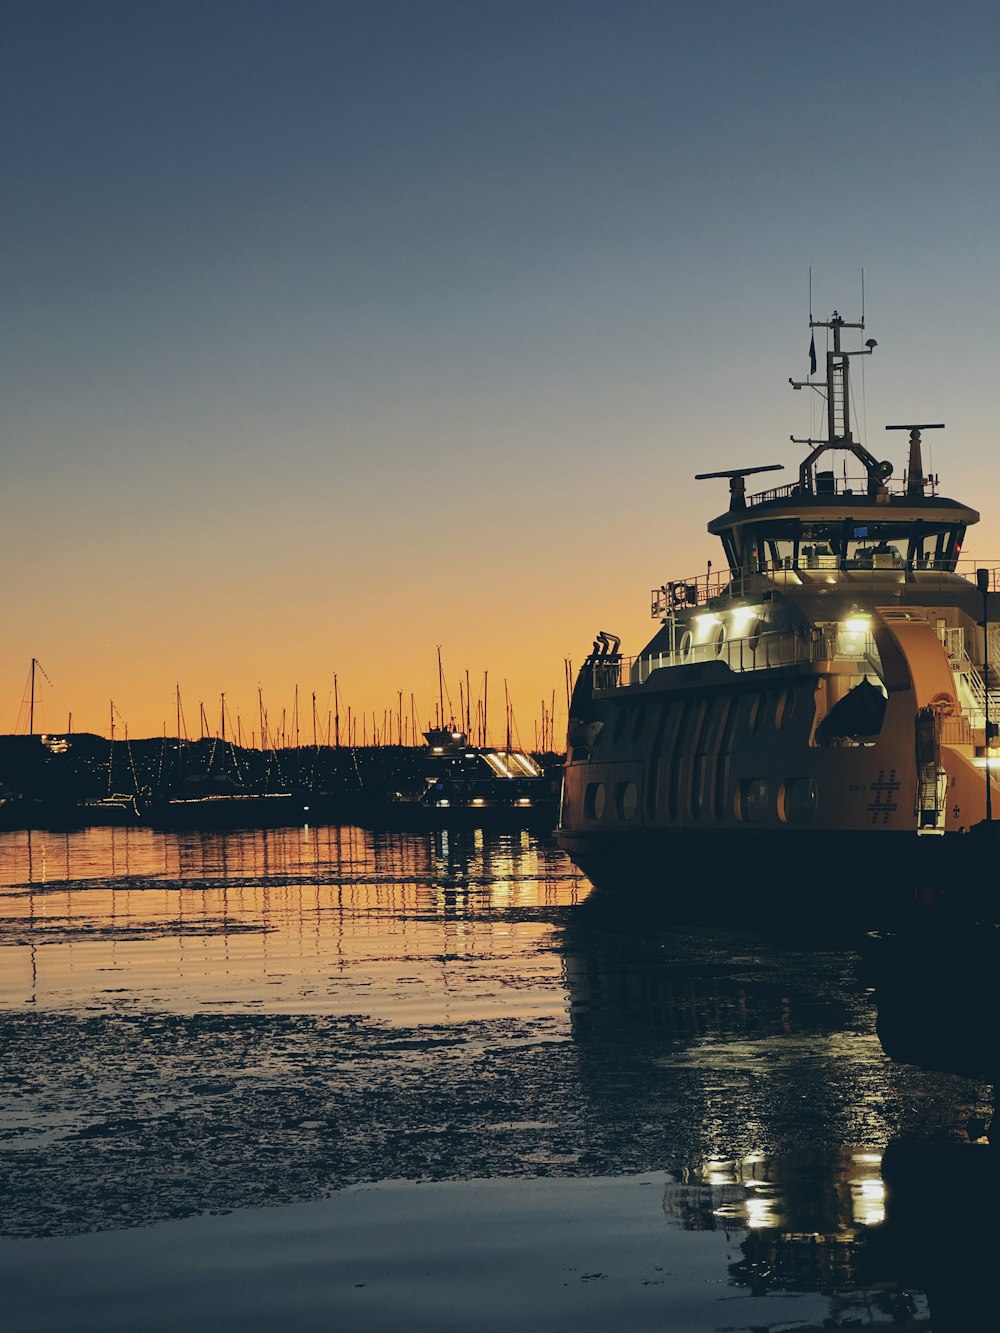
x=219, y=796
x=115, y=808
x=472, y=785
x=218, y=800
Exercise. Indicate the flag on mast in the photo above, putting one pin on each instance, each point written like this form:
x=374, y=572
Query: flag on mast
x=812, y=355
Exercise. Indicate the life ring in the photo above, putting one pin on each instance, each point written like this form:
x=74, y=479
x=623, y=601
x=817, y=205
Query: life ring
x=943, y=704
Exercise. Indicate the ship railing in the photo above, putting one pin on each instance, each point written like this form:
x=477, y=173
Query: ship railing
x=868, y=574
x=757, y=652
x=976, y=702
x=826, y=483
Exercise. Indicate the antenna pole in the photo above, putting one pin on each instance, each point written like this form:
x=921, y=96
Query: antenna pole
x=983, y=583
x=31, y=709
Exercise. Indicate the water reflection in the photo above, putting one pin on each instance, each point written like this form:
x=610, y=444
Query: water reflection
x=205, y=1022
x=332, y=920
x=832, y=1099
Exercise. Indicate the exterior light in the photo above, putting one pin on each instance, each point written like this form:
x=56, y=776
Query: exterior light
x=740, y=618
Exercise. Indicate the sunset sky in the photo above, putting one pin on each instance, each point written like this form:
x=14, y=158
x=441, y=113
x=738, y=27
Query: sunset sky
x=333, y=332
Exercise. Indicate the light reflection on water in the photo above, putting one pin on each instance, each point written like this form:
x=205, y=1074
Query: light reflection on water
x=200, y=1023
x=331, y=920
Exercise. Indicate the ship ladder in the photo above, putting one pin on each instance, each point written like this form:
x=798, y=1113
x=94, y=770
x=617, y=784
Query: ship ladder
x=932, y=781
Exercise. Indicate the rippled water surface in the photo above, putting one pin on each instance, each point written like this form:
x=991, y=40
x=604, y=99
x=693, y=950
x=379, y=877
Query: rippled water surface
x=336, y=1079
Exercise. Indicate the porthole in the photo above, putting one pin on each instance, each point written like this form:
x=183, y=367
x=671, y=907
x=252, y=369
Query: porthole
x=627, y=800
x=719, y=639
x=797, y=800
x=594, y=800
x=684, y=647
x=752, y=800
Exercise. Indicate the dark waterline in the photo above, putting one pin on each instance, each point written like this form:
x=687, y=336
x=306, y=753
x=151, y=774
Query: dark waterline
x=261, y=1025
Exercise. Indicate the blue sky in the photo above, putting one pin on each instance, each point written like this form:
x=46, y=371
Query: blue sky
x=387, y=325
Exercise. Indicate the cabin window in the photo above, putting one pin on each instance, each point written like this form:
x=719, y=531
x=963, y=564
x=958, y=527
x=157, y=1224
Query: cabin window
x=594, y=800
x=627, y=800
x=679, y=759
x=621, y=717
x=781, y=554
x=707, y=751
x=685, y=644
x=719, y=639
x=695, y=748
x=754, y=712
x=784, y=708
x=653, y=769
x=724, y=761
x=797, y=800
x=752, y=800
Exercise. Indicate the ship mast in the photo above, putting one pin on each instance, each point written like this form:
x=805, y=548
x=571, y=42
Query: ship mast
x=837, y=391
x=838, y=381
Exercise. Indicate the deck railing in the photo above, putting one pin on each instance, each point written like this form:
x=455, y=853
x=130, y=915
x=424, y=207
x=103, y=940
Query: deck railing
x=829, y=484
x=700, y=589
x=757, y=652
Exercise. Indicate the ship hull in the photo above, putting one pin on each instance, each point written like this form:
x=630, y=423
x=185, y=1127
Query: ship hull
x=723, y=787
x=871, y=877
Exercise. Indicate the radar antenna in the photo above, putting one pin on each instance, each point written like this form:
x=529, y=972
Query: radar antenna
x=915, y=480
x=737, y=482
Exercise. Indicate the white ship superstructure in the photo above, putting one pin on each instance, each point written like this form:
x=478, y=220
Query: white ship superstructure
x=836, y=677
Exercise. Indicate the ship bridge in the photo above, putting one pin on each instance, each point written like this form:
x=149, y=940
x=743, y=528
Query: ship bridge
x=846, y=522
x=840, y=527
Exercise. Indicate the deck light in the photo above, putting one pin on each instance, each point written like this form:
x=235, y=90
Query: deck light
x=741, y=617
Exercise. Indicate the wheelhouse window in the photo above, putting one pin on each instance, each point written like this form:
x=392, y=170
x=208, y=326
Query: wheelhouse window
x=848, y=544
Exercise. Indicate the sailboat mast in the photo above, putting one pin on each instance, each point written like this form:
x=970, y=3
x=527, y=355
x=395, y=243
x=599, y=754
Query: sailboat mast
x=31, y=709
x=336, y=714
x=440, y=689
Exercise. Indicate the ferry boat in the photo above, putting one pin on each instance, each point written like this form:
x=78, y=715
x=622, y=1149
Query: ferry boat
x=833, y=688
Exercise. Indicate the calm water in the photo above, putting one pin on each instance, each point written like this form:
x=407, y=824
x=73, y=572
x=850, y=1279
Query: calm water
x=332, y=1079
